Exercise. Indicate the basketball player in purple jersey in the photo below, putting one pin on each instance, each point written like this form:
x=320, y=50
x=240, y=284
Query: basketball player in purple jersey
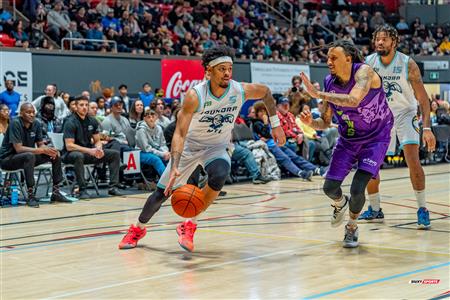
x=403, y=84
x=354, y=94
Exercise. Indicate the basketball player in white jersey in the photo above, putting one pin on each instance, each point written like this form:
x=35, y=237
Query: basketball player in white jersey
x=403, y=85
x=202, y=135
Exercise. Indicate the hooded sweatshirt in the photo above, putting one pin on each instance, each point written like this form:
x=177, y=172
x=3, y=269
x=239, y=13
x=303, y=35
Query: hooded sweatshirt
x=151, y=139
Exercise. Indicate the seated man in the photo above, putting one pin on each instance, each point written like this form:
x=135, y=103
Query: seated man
x=48, y=120
x=119, y=127
x=150, y=139
x=18, y=151
x=83, y=146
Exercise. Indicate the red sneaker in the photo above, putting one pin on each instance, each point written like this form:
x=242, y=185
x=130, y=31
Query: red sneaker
x=133, y=235
x=186, y=232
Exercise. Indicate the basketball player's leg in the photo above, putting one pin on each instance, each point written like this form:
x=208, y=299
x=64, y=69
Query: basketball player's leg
x=136, y=232
x=409, y=141
x=374, y=212
x=340, y=166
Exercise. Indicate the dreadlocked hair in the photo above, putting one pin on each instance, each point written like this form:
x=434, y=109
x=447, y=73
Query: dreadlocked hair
x=215, y=52
x=389, y=30
x=349, y=49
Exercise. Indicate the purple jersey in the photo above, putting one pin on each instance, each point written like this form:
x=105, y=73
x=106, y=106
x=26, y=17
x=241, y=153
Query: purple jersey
x=370, y=120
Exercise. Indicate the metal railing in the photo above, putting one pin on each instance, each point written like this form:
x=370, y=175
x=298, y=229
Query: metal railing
x=71, y=40
x=279, y=13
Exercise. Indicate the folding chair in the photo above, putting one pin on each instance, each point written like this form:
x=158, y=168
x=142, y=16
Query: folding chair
x=442, y=134
x=58, y=141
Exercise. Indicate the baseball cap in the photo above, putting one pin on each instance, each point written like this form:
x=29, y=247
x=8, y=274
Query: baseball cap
x=116, y=100
x=282, y=100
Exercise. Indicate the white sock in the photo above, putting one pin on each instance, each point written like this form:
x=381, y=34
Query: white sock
x=194, y=219
x=374, y=200
x=339, y=202
x=140, y=225
x=420, y=197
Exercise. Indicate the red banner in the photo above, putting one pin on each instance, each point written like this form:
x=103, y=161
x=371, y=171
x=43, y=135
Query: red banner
x=179, y=75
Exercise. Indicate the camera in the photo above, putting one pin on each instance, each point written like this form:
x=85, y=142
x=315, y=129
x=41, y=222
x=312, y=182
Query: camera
x=294, y=89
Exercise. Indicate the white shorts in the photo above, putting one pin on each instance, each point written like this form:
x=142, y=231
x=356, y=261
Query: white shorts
x=189, y=162
x=406, y=129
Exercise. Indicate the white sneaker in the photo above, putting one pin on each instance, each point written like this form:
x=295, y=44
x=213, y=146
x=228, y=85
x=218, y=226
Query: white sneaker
x=339, y=213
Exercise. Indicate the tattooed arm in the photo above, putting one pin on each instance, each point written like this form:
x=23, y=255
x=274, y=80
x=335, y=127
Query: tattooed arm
x=365, y=78
x=415, y=78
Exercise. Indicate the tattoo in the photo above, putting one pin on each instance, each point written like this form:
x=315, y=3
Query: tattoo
x=414, y=75
x=363, y=78
x=175, y=157
x=269, y=102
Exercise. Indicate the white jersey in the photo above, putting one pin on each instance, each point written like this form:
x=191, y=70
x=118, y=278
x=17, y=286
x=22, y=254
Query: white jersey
x=213, y=121
x=398, y=90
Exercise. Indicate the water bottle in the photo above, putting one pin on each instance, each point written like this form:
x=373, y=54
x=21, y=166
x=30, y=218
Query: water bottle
x=14, y=195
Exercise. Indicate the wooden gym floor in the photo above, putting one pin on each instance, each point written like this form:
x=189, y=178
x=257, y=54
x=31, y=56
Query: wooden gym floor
x=268, y=241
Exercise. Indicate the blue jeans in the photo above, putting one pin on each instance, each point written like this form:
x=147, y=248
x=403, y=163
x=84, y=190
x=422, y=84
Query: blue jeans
x=245, y=156
x=153, y=160
x=291, y=161
x=298, y=160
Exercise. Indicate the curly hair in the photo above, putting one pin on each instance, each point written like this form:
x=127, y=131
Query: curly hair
x=215, y=52
x=389, y=30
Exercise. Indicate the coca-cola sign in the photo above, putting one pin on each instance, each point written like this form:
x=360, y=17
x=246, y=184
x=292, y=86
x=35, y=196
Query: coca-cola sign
x=179, y=75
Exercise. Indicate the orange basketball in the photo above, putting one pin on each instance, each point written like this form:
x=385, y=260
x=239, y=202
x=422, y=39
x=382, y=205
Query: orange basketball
x=187, y=201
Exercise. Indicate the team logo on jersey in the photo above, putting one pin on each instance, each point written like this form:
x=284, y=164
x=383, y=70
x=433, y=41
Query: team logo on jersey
x=415, y=124
x=390, y=87
x=217, y=121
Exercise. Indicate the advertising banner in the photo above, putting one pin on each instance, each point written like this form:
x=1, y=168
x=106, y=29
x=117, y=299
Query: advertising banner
x=276, y=76
x=178, y=75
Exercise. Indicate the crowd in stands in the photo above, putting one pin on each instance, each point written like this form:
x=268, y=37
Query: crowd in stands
x=187, y=28
x=98, y=130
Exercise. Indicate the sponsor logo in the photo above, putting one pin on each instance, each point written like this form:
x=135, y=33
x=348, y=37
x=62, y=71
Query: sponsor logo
x=370, y=162
x=180, y=75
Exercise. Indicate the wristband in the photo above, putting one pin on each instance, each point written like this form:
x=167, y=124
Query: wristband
x=274, y=121
x=426, y=128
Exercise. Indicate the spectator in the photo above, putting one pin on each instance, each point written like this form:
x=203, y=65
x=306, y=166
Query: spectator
x=47, y=119
x=302, y=19
x=123, y=95
x=136, y=113
x=376, y=21
x=445, y=45
x=109, y=22
x=364, y=17
x=402, y=26
x=61, y=110
x=343, y=19
x=73, y=33
x=284, y=156
x=324, y=20
x=434, y=105
x=21, y=37
x=179, y=29
x=65, y=96
x=83, y=146
x=4, y=118
x=72, y=105
x=19, y=151
x=296, y=95
x=294, y=135
x=92, y=112
x=146, y=95
x=150, y=139
x=158, y=107
x=101, y=106
x=57, y=21
x=37, y=35
x=10, y=97
x=95, y=33
x=119, y=126
x=102, y=8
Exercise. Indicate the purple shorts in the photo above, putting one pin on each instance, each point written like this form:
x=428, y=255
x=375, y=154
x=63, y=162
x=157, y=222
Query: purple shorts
x=369, y=156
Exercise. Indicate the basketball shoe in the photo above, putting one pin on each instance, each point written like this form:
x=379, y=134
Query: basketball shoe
x=132, y=237
x=423, y=218
x=339, y=213
x=185, y=233
x=351, y=237
x=372, y=215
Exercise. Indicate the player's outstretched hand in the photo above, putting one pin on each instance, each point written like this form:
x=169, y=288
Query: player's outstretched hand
x=310, y=89
x=306, y=117
x=174, y=173
x=279, y=136
x=429, y=140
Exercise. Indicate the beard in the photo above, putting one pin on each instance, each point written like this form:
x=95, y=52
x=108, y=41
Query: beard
x=223, y=85
x=384, y=52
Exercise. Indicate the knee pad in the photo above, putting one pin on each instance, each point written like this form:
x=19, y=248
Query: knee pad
x=332, y=188
x=217, y=171
x=357, y=191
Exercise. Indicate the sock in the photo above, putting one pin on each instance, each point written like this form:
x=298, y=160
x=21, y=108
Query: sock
x=340, y=202
x=194, y=219
x=140, y=225
x=55, y=189
x=352, y=223
x=374, y=200
x=420, y=197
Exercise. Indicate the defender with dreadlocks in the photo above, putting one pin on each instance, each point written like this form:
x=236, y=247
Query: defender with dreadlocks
x=201, y=137
x=354, y=94
x=403, y=84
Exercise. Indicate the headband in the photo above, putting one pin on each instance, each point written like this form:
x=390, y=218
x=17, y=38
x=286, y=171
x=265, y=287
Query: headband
x=220, y=60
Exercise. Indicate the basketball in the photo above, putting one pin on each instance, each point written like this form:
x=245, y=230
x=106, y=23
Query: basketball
x=187, y=201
